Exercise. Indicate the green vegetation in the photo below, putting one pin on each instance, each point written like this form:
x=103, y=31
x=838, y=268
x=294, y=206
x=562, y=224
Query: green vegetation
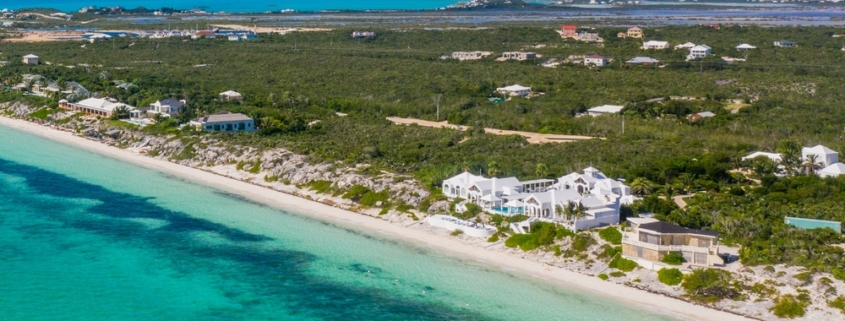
x=611, y=235
x=622, y=264
x=456, y=232
x=320, y=186
x=603, y=276
x=838, y=302
x=670, y=276
x=43, y=113
x=256, y=167
x=710, y=286
x=617, y=274
x=493, y=238
x=673, y=258
x=542, y=233
x=806, y=278
x=788, y=306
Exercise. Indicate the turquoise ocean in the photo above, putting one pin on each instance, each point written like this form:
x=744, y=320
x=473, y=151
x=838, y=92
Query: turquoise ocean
x=87, y=237
x=236, y=6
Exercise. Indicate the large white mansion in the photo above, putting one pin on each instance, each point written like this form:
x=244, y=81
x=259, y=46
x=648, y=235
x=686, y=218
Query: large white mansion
x=543, y=199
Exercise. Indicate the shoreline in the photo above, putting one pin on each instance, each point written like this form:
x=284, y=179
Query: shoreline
x=301, y=206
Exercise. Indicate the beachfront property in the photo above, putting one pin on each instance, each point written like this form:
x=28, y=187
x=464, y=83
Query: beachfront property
x=785, y=44
x=469, y=55
x=825, y=158
x=166, y=107
x=104, y=107
x=649, y=240
x=698, y=52
x=363, y=34
x=595, y=60
x=642, y=61
x=604, y=110
x=224, y=121
x=634, y=32
x=514, y=91
x=654, y=44
x=518, y=55
x=231, y=95
x=597, y=196
x=745, y=47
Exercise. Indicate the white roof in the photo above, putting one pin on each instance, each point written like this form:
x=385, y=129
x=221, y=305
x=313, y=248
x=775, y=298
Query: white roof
x=706, y=114
x=655, y=43
x=30, y=56
x=773, y=156
x=514, y=88
x=701, y=47
x=611, y=109
x=685, y=45
x=833, y=170
x=230, y=93
x=745, y=46
x=818, y=150
x=640, y=220
x=101, y=104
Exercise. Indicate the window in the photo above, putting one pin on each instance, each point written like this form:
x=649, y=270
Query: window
x=216, y=127
x=208, y=127
x=704, y=242
x=229, y=127
x=241, y=126
x=639, y=251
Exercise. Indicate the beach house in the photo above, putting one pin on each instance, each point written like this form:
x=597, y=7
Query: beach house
x=688, y=45
x=224, y=121
x=30, y=59
x=775, y=157
x=745, y=47
x=604, y=110
x=569, y=31
x=166, y=107
x=595, y=60
x=514, y=90
x=104, y=107
x=230, y=95
x=648, y=241
x=654, y=44
x=634, y=32
x=470, y=55
x=363, y=34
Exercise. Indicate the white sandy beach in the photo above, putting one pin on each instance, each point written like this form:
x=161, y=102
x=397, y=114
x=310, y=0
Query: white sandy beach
x=653, y=302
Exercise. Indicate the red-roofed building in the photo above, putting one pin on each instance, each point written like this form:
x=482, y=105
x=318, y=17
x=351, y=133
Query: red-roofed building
x=569, y=31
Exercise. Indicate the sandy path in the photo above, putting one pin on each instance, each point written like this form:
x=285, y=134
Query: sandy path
x=653, y=302
x=534, y=138
x=269, y=29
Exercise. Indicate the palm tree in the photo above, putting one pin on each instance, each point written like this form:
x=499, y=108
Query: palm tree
x=641, y=186
x=541, y=171
x=574, y=211
x=688, y=180
x=493, y=169
x=465, y=166
x=790, y=155
x=811, y=164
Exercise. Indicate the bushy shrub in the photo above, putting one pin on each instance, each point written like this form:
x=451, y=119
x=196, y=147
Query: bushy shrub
x=581, y=242
x=710, y=285
x=493, y=238
x=673, y=258
x=788, y=306
x=838, y=302
x=611, y=235
x=622, y=264
x=609, y=252
x=617, y=274
x=670, y=276
x=603, y=276
x=457, y=232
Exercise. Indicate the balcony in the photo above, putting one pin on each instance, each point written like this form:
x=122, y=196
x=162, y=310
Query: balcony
x=667, y=248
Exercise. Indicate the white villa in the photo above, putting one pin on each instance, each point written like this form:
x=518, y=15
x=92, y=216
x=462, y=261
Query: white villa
x=224, y=121
x=166, y=107
x=542, y=199
x=775, y=157
x=95, y=106
x=514, y=90
x=827, y=158
x=518, y=55
x=231, y=95
x=699, y=51
x=824, y=155
x=470, y=55
x=604, y=110
x=653, y=44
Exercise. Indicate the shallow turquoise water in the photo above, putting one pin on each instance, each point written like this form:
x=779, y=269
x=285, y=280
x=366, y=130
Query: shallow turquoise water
x=85, y=237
